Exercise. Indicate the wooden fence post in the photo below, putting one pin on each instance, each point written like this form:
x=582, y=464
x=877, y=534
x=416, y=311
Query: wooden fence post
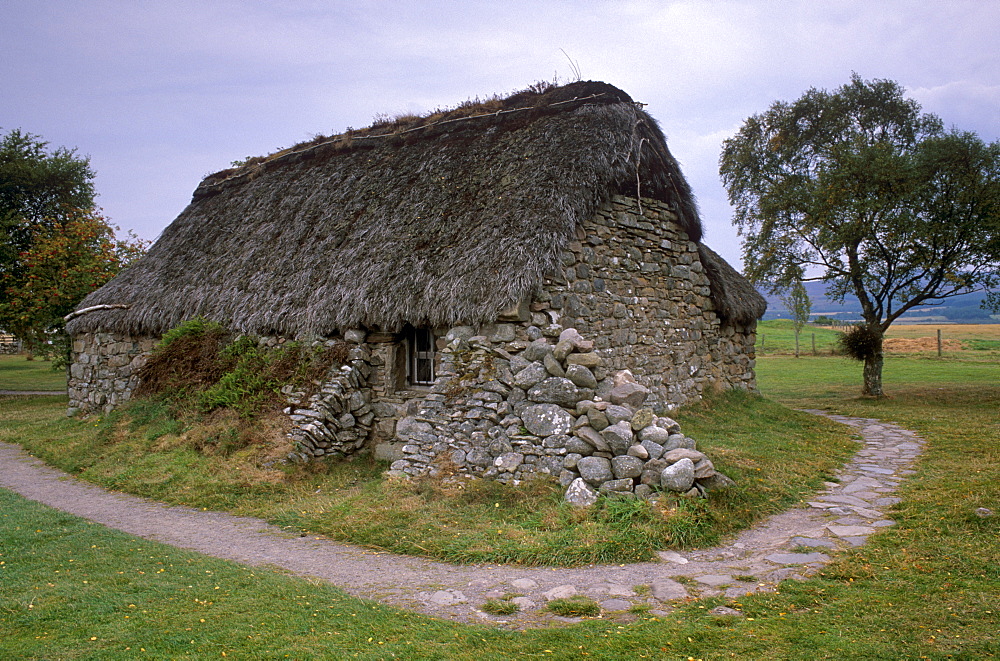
x=939, y=342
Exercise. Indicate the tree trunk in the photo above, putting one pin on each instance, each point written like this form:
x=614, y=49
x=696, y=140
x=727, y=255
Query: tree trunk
x=873, y=372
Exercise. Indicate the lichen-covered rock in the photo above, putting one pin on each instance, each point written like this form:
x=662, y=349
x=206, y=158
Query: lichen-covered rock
x=704, y=468
x=638, y=451
x=683, y=453
x=586, y=359
x=598, y=419
x=653, y=450
x=546, y=420
x=642, y=419
x=629, y=393
x=616, y=414
x=616, y=486
x=552, y=365
x=580, y=494
x=597, y=470
x=618, y=437
x=554, y=390
x=716, y=482
x=581, y=376
x=590, y=436
x=669, y=424
x=579, y=445
x=537, y=350
x=678, y=477
x=509, y=462
x=626, y=466
x=530, y=375
x=654, y=434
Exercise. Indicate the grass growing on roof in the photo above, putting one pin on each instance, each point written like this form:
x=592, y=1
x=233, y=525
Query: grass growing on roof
x=220, y=462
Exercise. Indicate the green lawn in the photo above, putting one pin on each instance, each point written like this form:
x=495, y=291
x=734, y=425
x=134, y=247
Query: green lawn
x=925, y=588
x=18, y=373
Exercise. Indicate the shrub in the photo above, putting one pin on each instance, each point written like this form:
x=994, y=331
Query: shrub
x=862, y=342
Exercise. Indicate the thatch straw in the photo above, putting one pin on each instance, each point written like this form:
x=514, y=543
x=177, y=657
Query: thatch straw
x=434, y=223
x=735, y=298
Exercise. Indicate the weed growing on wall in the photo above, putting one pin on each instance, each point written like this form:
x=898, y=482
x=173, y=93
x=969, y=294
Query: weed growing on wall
x=201, y=366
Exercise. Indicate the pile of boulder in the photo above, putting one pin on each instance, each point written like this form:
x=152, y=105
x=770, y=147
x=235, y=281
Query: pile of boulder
x=548, y=405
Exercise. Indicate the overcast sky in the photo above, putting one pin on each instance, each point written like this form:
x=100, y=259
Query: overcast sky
x=161, y=93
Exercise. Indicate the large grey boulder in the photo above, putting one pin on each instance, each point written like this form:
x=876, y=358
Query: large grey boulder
x=655, y=434
x=618, y=437
x=626, y=466
x=536, y=350
x=616, y=486
x=509, y=462
x=632, y=394
x=580, y=494
x=653, y=450
x=581, y=376
x=595, y=470
x=591, y=436
x=530, y=375
x=683, y=453
x=617, y=414
x=598, y=419
x=678, y=477
x=554, y=390
x=546, y=419
x=716, y=482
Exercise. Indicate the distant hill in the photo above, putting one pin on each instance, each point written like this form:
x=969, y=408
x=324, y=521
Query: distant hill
x=964, y=309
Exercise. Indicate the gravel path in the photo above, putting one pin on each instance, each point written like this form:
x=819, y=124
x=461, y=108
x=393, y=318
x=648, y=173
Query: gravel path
x=793, y=544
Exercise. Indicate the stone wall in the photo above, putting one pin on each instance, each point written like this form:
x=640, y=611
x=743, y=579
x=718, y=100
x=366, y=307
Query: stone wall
x=546, y=405
x=337, y=419
x=634, y=283
x=102, y=371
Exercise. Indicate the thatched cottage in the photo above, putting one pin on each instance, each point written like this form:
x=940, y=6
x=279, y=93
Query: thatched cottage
x=452, y=251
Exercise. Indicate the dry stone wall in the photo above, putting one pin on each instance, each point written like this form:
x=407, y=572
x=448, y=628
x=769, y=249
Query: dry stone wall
x=102, y=371
x=546, y=405
x=337, y=420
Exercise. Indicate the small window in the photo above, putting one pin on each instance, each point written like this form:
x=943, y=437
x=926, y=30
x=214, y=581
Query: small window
x=420, y=349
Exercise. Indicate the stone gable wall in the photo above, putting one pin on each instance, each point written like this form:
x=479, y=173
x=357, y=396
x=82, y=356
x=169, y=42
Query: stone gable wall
x=102, y=371
x=634, y=283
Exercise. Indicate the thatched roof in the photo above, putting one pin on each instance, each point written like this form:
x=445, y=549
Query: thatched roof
x=443, y=220
x=736, y=300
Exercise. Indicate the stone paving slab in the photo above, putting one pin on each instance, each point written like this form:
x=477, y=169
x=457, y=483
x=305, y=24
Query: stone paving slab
x=764, y=552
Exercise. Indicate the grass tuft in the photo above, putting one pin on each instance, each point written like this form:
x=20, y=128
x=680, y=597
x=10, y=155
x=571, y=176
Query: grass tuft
x=501, y=606
x=576, y=606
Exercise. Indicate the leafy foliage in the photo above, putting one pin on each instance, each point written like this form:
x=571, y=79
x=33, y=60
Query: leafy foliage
x=35, y=186
x=876, y=197
x=69, y=256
